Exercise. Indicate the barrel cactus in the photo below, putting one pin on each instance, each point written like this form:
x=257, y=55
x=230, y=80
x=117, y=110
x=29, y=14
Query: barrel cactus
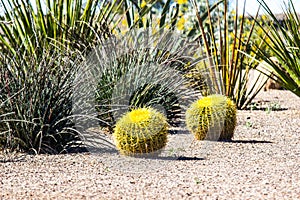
x=142, y=130
x=213, y=114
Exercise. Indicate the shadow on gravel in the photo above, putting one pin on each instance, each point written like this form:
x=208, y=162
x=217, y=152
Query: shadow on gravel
x=174, y=158
x=189, y=158
x=184, y=158
x=248, y=141
x=266, y=109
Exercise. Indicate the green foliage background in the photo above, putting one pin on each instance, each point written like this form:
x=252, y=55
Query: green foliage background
x=39, y=49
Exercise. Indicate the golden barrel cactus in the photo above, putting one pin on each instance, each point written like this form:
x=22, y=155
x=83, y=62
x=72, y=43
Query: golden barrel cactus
x=213, y=114
x=143, y=130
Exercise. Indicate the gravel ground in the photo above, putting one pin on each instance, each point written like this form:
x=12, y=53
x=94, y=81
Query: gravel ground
x=261, y=163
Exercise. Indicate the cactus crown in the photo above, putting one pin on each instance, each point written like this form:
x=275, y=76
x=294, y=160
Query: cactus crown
x=210, y=101
x=139, y=116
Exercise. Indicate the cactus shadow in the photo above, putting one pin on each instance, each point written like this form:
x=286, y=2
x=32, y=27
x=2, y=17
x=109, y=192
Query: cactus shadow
x=179, y=158
x=266, y=108
x=189, y=158
x=247, y=141
x=156, y=156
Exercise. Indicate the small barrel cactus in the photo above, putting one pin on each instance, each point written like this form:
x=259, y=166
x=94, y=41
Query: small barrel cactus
x=143, y=130
x=213, y=114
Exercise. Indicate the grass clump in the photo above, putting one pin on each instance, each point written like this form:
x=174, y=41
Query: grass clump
x=36, y=102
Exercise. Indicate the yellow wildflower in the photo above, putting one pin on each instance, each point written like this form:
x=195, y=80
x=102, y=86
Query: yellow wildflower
x=180, y=23
x=114, y=32
x=144, y=19
x=181, y=1
x=124, y=22
x=143, y=4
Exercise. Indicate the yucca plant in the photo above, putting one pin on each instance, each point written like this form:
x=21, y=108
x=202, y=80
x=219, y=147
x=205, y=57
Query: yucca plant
x=65, y=23
x=284, y=43
x=226, y=44
x=36, y=102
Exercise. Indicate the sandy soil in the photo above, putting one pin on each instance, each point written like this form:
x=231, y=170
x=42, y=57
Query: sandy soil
x=263, y=162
